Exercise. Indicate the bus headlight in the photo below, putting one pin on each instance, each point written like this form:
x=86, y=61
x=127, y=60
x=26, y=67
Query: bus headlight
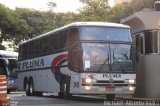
x=86, y=81
x=131, y=81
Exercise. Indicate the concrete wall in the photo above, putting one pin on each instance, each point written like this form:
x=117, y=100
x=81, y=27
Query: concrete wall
x=148, y=76
x=143, y=20
x=148, y=66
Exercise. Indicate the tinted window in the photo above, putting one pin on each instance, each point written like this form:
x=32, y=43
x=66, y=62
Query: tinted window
x=12, y=67
x=37, y=47
x=31, y=49
x=45, y=45
x=54, y=43
x=65, y=39
x=25, y=51
x=105, y=33
x=73, y=36
x=20, y=56
x=75, y=57
x=151, y=44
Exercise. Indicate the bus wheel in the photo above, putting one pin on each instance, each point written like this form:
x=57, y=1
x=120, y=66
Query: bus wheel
x=64, y=92
x=67, y=95
x=61, y=93
x=110, y=97
x=30, y=88
x=27, y=89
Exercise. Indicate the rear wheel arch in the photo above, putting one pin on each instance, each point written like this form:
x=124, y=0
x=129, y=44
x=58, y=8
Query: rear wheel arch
x=30, y=78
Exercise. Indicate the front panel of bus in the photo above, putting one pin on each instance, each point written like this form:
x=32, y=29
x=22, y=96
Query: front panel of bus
x=104, y=59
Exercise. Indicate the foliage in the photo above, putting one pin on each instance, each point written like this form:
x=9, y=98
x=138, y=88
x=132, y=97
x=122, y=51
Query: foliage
x=94, y=10
x=11, y=25
x=137, y=5
x=22, y=24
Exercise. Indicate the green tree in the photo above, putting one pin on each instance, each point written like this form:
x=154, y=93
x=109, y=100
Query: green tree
x=11, y=25
x=136, y=5
x=94, y=10
x=128, y=8
x=38, y=21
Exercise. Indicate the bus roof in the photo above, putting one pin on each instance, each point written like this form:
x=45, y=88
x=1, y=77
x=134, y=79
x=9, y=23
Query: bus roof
x=104, y=24
x=8, y=54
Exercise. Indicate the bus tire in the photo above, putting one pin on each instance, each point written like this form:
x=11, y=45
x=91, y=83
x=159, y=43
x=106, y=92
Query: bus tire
x=25, y=83
x=30, y=88
x=64, y=91
x=27, y=89
x=61, y=93
x=110, y=97
x=67, y=95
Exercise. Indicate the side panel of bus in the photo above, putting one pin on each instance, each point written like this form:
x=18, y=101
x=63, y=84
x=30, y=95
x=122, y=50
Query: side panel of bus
x=45, y=73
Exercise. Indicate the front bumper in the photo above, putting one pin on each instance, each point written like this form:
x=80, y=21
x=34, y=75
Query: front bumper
x=107, y=90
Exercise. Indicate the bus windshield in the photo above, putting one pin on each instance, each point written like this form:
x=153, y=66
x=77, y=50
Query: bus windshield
x=103, y=57
x=105, y=33
x=12, y=67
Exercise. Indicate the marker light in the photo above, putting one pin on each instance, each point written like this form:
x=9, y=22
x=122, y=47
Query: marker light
x=131, y=88
x=87, y=87
x=132, y=81
x=88, y=80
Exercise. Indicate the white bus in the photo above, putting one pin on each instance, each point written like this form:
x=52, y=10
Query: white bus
x=79, y=58
x=8, y=67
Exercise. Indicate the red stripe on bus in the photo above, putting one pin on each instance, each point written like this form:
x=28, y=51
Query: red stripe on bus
x=58, y=59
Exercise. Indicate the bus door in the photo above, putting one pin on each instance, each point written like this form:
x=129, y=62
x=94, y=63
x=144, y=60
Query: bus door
x=75, y=64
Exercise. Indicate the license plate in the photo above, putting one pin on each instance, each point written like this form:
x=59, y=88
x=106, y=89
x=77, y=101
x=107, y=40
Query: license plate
x=110, y=88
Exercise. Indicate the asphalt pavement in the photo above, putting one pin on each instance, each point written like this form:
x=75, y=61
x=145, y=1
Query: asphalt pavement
x=20, y=99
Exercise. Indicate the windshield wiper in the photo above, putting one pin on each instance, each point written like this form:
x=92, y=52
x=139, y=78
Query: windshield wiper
x=100, y=68
x=119, y=63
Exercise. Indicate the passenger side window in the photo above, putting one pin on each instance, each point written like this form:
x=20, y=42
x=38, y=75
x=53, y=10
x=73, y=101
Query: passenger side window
x=45, y=45
x=54, y=43
x=73, y=36
x=37, y=48
x=20, y=56
x=25, y=51
x=63, y=39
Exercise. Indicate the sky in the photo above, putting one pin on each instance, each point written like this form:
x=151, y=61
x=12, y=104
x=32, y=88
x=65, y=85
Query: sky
x=62, y=5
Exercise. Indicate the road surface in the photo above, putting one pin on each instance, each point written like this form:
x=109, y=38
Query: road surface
x=20, y=99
